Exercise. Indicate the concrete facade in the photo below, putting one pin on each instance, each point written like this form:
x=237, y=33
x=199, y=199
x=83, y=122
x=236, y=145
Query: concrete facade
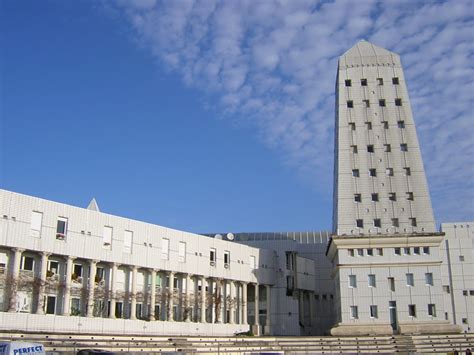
x=385, y=250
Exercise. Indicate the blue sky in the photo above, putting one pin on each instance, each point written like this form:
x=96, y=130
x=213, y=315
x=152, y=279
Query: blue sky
x=218, y=116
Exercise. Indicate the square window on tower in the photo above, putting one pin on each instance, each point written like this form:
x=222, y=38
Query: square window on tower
x=357, y=198
x=379, y=81
x=392, y=196
x=384, y=124
x=387, y=148
x=398, y=102
x=366, y=103
x=363, y=82
x=407, y=171
x=352, y=126
x=377, y=223
x=348, y=82
x=382, y=103
x=395, y=222
x=372, y=172
x=355, y=173
x=375, y=197
x=401, y=124
x=410, y=196
x=404, y=147
x=389, y=171
x=359, y=223
x=370, y=148
x=395, y=81
x=368, y=125
x=354, y=149
x=350, y=104
x=412, y=221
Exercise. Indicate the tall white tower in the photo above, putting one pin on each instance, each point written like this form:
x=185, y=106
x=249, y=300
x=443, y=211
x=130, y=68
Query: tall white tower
x=385, y=250
x=380, y=183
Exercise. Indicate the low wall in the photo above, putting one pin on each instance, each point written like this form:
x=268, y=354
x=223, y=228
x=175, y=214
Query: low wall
x=63, y=324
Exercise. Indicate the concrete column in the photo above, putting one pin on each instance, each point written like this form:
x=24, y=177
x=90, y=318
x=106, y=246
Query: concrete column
x=203, y=299
x=244, y=303
x=231, y=303
x=301, y=306
x=67, y=290
x=268, y=319
x=15, y=272
x=188, y=296
x=221, y=306
x=171, y=291
x=311, y=308
x=113, y=289
x=42, y=285
x=133, y=294
x=152, y=294
x=257, y=309
x=90, y=300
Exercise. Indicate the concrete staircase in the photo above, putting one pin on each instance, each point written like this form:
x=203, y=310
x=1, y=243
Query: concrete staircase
x=71, y=343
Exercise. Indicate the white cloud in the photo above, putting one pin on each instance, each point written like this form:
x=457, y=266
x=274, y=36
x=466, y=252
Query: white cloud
x=273, y=65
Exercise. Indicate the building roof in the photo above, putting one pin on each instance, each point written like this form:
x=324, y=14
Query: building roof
x=366, y=53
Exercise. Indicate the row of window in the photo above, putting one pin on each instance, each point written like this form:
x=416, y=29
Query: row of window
x=394, y=222
x=387, y=148
x=388, y=172
x=382, y=103
x=373, y=309
x=369, y=125
x=397, y=251
x=392, y=196
x=410, y=281
x=364, y=82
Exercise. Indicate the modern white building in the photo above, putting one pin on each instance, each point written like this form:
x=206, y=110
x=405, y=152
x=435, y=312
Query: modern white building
x=385, y=250
x=384, y=269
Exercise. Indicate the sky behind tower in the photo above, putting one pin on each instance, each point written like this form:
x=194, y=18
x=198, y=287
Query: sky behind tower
x=219, y=115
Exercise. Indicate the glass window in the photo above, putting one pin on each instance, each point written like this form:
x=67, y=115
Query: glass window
x=253, y=262
x=412, y=310
x=360, y=252
x=385, y=124
x=374, y=311
x=395, y=81
x=352, y=126
x=410, y=280
x=407, y=171
x=398, y=251
x=370, y=148
x=391, y=284
x=27, y=263
x=389, y=171
x=387, y=148
x=432, y=310
x=372, y=282
x=354, y=312
x=226, y=257
x=348, y=82
x=395, y=222
x=363, y=82
x=416, y=250
x=107, y=236
x=350, y=252
x=401, y=124
x=359, y=223
x=352, y=281
x=426, y=250
x=429, y=279
x=398, y=102
x=404, y=147
x=355, y=173
x=406, y=251
x=357, y=198
x=382, y=103
x=372, y=172
x=212, y=256
x=377, y=223
x=354, y=149
x=350, y=104
x=61, y=226
x=375, y=197
x=379, y=81
x=380, y=251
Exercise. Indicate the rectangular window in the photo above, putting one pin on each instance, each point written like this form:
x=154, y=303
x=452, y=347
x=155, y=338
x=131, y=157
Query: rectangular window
x=107, y=236
x=404, y=147
x=432, y=310
x=127, y=241
x=375, y=197
x=359, y=223
x=53, y=267
x=350, y=104
x=407, y=171
x=370, y=252
x=182, y=252
x=379, y=81
x=372, y=172
x=363, y=82
x=412, y=310
x=371, y=279
x=354, y=312
x=352, y=281
x=410, y=196
x=360, y=252
x=410, y=280
x=350, y=252
x=391, y=284
x=212, y=256
x=461, y=257
x=377, y=223
x=392, y=196
x=370, y=148
x=429, y=279
x=226, y=258
x=77, y=271
x=165, y=249
x=412, y=221
x=348, y=82
x=357, y=198
x=354, y=149
x=27, y=263
x=352, y=126
x=389, y=171
x=382, y=103
x=416, y=250
x=401, y=124
x=366, y=103
x=426, y=250
x=395, y=222
x=380, y=251
x=464, y=292
x=36, y=223
x=398, y=251
x=406, y=251
x=373, y=311
x=384, y=124
x=395, y=81
x=398, y=102
x=368, y=125
x=387, y=148
x=355, y=173
x=61, y=227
